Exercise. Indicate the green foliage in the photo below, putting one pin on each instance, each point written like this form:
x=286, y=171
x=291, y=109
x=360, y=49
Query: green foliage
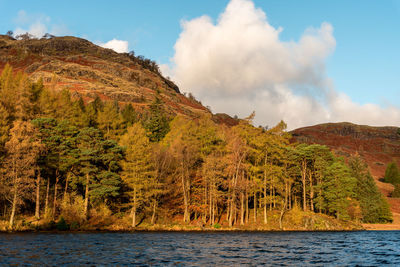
x=62, y=225
x=99, y=159
x=217, y=226
x=339, y=189
x=374, y=207
x=392, y=174
x=157, y=124
x=128, y=115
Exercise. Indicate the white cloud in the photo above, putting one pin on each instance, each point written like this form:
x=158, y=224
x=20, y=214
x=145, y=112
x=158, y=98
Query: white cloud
x=37, y=25
x=116, y=45
x=238, y=64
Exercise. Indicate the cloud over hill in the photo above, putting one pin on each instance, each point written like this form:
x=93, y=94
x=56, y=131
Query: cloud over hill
x=239, y=64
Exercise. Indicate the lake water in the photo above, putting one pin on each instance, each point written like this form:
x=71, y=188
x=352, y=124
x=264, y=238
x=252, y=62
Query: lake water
x=221, y=248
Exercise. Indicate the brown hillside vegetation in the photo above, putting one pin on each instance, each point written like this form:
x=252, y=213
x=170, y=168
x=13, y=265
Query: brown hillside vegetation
x=89, y=70
x=376, y=145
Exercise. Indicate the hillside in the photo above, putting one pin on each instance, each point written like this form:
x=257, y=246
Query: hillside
x=88, y=70
x=378, y=146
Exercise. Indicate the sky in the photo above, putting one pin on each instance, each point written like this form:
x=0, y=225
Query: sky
x=305, y=62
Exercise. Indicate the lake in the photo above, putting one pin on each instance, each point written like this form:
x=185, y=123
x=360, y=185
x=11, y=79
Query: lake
x=372, y=248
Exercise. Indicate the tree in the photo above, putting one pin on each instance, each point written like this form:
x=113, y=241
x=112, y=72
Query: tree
x=98, y=162
x=339, y=188
x=23, y=150
x=392, y=174
x=157, y=124
x=4, y=125
x=109, y=119
x=137, y=167
x=60, y=142
x=374, y=207
x=128, y=115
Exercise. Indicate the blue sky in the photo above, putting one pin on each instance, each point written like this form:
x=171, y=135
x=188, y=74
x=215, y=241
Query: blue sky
x=364, y=65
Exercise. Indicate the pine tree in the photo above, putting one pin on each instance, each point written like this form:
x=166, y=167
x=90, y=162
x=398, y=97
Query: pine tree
x=374, y=207
x=392, y=173
x=98, y=163
x=339, y=188
x=157, y=124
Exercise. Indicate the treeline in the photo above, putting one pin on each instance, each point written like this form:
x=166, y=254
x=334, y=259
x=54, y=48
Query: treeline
x=62, y=157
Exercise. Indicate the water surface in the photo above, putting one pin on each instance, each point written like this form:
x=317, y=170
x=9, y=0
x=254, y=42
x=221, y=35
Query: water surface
x=371, y=248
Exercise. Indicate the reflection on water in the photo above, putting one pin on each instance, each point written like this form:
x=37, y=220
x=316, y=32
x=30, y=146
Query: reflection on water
x=221, y=248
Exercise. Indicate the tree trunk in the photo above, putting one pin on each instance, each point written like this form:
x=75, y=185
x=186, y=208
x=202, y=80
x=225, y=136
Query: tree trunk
x=210, y=208
x=265, y=189
x=270, y=195
x=37, y=204
x=247, y=207
x=55, y=196
x=230, y=220
x=311, y=191
x=265, y=203
x=185, y=196
x=303, y=180
x=255, y=207
x=153, y=216
x=241, y=208
x=281, y=215
x=46, y=203
x=86, y=211
x=134, y=209
x=290, y=196
x=204, y=213
x=14, y=205
x=66, y=188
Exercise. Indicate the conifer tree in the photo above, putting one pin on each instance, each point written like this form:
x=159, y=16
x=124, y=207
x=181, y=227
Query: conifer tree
x=23, y=150
x=157, y=124
x=374, y=207
x=392, y=173
x=108, y=119
x=137, y=167
x=339, y=189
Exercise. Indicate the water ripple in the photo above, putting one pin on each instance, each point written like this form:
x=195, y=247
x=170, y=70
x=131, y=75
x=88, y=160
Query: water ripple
x=199, y=249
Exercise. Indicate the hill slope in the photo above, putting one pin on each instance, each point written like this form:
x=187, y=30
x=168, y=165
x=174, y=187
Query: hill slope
x=88, y=70
x=376, y=145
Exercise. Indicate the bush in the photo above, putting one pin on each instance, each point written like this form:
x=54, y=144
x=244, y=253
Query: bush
x=101, y=216
x=62, y=225
x=73, y=211
x=74, y=226
x=396, y=191
x=217, y=226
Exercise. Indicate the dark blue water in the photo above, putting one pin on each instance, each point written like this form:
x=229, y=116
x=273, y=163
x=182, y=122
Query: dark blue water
x=221, y=248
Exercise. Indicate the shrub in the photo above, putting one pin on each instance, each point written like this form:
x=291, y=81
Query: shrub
x=73, y=211
x=217, y=226
x=396, y=191
x=74, y=226
x=62, y=225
